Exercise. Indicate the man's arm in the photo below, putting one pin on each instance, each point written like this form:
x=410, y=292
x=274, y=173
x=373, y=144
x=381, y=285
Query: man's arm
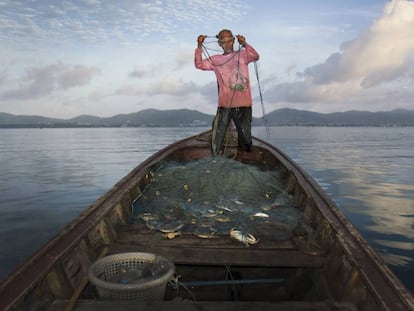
x=198, y=58
x=251, y=53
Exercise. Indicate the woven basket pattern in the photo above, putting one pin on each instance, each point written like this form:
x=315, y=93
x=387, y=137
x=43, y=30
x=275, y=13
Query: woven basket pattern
x=146, y=289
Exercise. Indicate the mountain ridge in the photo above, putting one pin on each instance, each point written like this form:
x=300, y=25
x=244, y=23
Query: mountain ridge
x=186, y=117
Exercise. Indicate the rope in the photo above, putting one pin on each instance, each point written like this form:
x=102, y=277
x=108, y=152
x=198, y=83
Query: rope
x=268, y=137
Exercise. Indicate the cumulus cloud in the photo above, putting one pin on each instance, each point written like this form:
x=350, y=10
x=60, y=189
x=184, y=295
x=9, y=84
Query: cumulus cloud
x=381, y=55
x=41, y=81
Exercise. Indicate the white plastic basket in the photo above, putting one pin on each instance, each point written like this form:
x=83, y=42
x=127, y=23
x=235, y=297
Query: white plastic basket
x=146, y=288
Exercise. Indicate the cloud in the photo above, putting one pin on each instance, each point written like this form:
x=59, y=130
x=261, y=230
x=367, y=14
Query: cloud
x=41, y=81
x=2, y=77
x=137, y=73
x=93, y=21
x=172, y=86
x=381, y=55
x=91, y=2
x=77, y=75
x=130, y=90
x=97, y=96
x=149, y=71
x=184, y=59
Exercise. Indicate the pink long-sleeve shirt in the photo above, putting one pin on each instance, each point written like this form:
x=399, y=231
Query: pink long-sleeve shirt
x=232, y=75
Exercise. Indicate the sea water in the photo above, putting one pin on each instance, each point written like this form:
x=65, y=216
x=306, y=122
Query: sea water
x=49, y=176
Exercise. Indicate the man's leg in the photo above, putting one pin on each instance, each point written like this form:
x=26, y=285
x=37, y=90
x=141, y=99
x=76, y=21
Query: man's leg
x=242, y=117
x=220, y=123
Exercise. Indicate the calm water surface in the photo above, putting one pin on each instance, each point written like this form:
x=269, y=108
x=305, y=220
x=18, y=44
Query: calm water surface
x=48, y=176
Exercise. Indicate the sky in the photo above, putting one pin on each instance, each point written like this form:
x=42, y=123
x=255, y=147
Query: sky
x=65, y=58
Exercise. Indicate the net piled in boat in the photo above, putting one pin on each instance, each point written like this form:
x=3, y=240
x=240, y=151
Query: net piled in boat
x=211, y=196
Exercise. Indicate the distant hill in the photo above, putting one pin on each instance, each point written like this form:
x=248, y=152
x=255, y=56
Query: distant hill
x=186, y=117
x=157, y=118
x=143, y=118
x=7, y=120
x=398, y=117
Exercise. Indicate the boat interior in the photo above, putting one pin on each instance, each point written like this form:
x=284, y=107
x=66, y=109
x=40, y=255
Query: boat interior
x=287, y=274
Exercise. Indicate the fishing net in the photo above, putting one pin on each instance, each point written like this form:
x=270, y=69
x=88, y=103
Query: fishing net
x=209, y=197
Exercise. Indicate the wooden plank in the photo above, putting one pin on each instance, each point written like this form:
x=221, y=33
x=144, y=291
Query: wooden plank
x=225, y=256
x=140, y=234
x=94, y=305
x=189, y=249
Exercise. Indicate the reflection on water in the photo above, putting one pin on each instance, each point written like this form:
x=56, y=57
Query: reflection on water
x=369, y=172
x=49, y=176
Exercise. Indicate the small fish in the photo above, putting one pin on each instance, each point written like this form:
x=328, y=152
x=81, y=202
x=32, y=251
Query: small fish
x=260, y=215
x=222, y=218
x=211, y=213
x=266, y=207
x=227, y=209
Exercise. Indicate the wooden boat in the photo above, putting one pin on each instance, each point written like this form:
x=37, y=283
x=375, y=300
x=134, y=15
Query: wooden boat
x=341, y=273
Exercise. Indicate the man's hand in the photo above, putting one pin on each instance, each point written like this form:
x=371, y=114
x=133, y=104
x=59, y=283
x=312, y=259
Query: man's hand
x=241, y=39
x=200, y=40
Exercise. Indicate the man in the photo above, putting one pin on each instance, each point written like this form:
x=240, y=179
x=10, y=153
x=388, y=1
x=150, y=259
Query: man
x=234, y=93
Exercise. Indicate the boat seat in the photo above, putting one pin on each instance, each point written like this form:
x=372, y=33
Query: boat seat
x=192, y=250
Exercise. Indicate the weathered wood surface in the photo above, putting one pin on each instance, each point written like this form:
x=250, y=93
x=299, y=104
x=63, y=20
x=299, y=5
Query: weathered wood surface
x=190, y=249
x=209, y=306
